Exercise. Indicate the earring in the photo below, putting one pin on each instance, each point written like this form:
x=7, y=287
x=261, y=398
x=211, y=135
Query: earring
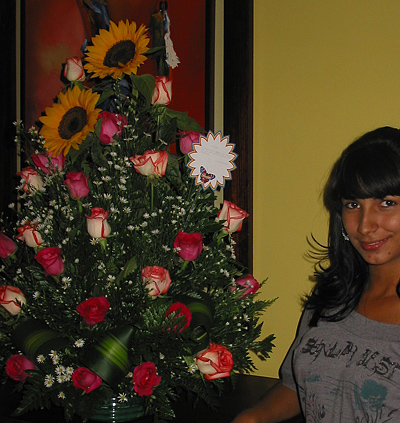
x=345, y=236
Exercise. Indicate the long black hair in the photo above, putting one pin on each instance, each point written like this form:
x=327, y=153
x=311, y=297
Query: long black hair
x=367, y=168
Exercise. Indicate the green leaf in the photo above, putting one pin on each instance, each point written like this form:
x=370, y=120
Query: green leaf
x=128, y=268
x=184, y=122
x=145, y=84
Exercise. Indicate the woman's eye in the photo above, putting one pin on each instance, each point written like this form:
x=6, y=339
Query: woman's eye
x=388, y=203
x=350, y=204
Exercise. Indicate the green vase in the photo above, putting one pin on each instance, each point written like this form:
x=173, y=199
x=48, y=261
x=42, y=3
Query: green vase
x=118, y=412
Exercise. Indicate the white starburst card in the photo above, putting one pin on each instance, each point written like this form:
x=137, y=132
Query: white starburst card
x=212, y=160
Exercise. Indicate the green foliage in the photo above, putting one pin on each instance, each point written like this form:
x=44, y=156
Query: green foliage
x=145, y=215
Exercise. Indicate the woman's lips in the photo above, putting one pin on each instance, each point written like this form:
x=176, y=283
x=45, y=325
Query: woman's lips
x=371, y=246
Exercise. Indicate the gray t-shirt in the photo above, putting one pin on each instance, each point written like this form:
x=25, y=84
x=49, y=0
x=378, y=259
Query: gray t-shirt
x=347, y=371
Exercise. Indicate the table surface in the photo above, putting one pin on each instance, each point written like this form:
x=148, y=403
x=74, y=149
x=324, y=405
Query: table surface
x=248, y=390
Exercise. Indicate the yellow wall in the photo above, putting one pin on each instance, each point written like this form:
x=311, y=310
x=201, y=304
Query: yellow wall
x=324, y=72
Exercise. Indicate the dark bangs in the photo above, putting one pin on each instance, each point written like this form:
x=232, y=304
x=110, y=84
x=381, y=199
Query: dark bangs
x=368, y=168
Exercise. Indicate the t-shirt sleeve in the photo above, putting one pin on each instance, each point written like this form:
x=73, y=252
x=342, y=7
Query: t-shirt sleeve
x=286, y=370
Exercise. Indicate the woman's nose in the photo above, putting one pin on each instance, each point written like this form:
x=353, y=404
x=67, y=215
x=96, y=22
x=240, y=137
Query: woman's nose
x=368, y=221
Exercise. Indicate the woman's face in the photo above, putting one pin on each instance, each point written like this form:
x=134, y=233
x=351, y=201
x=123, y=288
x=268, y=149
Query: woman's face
x=373, y=226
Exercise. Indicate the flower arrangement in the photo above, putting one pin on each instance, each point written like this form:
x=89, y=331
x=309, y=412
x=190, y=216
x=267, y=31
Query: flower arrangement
x=119, y=277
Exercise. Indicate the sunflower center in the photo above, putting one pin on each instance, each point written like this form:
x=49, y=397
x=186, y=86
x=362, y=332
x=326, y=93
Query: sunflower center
x=121, y=52
x=72, y=122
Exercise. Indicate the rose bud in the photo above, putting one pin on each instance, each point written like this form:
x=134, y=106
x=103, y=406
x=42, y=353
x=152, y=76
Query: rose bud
x=50, y=259
x=187, y=140
x=7, y=246
x=31, y=180
x=145, y=379
x=85, y=379
x=97, y=225
x=47, y=163
x=77, y=184
x=10, y=298
x=111, y=125
x=73, y=70
x=233, y=216
x=162, y=93
x=215, y=362
x=16, y=366
x=28, y=234
x=93, y=310
x=188, y=246
x=151, y=163
x=246, y=285
x=156, y=279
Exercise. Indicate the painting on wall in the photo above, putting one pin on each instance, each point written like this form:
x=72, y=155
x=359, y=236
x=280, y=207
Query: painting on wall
x=55, y=31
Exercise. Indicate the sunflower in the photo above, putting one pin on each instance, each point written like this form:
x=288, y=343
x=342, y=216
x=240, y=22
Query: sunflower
x=68, y=122
x=118, y=50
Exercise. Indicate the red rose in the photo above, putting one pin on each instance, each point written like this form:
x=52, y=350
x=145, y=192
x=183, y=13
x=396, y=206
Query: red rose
x=247, y=285
x=145, y=379
x=187, y=140
x=157, y=280
x=47, y=163
x=151, y=163
x=85, y=379
x=7, y=246
x=233, y=216
x=179, y=310
x=111, y=125
x=50, y=259
x=16, y=366
x=215, y=362
x=31, y=180
x=188, y=246
x=93, y=310
x=97, y=224
x=73, y=70
x=162, y=93
x=29, y=235
x=77, y=184
x=10, y=298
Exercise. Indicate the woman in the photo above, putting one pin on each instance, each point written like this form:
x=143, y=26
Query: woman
x=344, y=365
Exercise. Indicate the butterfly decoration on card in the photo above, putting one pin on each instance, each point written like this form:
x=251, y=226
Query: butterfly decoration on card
x=212, y=160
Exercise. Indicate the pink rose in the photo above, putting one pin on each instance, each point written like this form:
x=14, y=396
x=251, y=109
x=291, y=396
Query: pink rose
x=85, y=379
x=97, y=224
x=179, y=309
x=28, y=234
x=47, y=163
x=246, y=285
x=31, y=180
x=187, y=140
x=73, y=70
x=157, y=280
x=50, y=259
x=151, y=163
x=215, y=362
x=162, y=93
x=233, y=216
x=11, y=299
x=112, y=124
x=188, y=246
x=77, y=184
x=7, y=246
x=16, y=366
x=93, y=310
x=145, y=379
